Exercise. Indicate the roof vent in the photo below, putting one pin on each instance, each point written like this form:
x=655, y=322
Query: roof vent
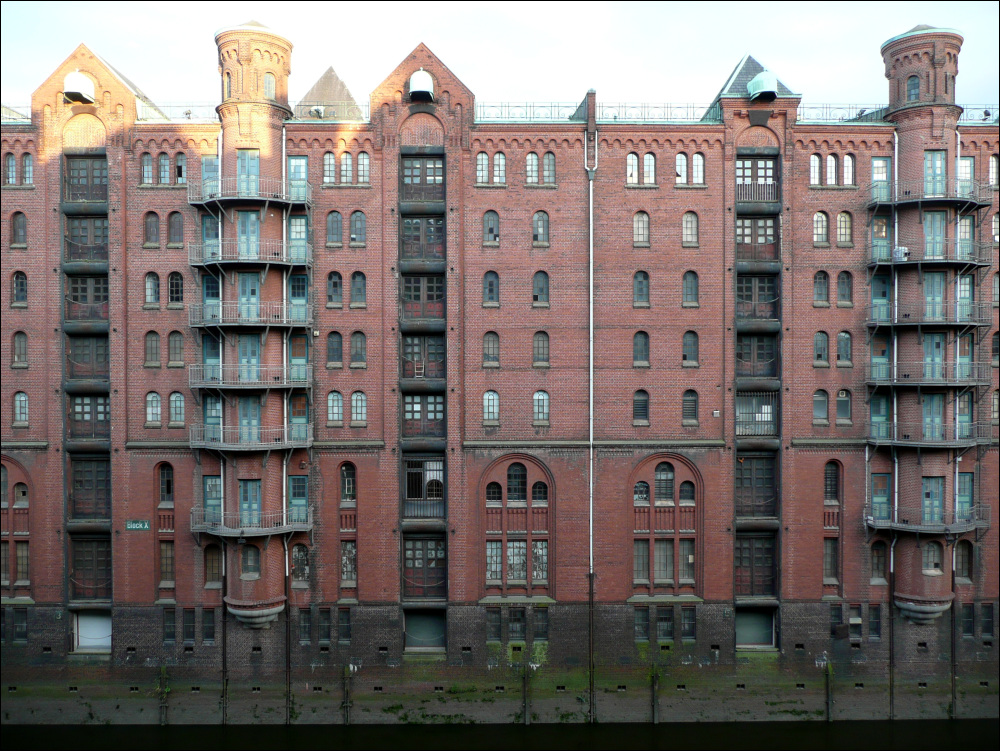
x=421, y=87
x=78, y=88
x=763, y=86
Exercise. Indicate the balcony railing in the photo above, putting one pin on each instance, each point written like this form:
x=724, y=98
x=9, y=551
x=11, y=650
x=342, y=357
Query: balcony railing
x=932, y=433
x=881, y=515
x=757, y=414
x=417, y=310
x=924, y=373
x=757, y=368
x=89, y=507
x=425, y=368
x=76, y=369
x=85, y=192
x=929, y=312
x=421, y=192
x=87, y=589
x=251, y=314
x=86, y=311
x=243, y=438
x=422, y=251
x=246, y=251
x=249, y=376
x=757, y=252
x=757, y=191
x=425, y=427
x=98, y=429
x=80, y=252
x=930, y=251
x=251, y=522
x=754, y=506
x=948, y=188
x=250, y=188
x=758, y=309
x=423, y=508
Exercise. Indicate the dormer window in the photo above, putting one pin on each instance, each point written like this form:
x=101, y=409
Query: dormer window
x=421, y=87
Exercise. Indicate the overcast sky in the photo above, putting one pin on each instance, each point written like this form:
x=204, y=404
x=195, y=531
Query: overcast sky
x=628, y=52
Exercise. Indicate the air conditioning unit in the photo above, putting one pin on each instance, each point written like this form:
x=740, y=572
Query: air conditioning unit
x=900, y=253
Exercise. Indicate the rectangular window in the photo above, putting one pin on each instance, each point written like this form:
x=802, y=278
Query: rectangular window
x=967, y=618
x=756, y=565
x=324, y=625
x=541, y=632
x=493, y=624
x=756, y=487
x=494, y=560
x=208, y=626
x=20, y=625
x=4, y=564
x=689, y=622
x=305, y=625
x=169, y=626
x=348, y=563
x=663, y=560
x=344, y=625
x=640, y=619
x=517, y=560
x=539, y=561
x=22, y=570
x=188, y=625
x=686, y=565
x=855, y=624
x=665, y=623
x=516, y=624
x=874, y=622
x=830, y=560
x=166, y=563
x=986, y=618
x=640, y=561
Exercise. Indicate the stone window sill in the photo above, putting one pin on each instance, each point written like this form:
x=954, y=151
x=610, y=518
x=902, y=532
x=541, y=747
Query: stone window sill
x=213, y=585
x=640, y=364
x=539, y=304
x=491, y=243
x=18, y=246
x=821, y=244
x=359, y=423
x=491, y=365
x=359, y=365
x=542, y=186
x=153, y=425
x=691, y=186
x=175, y=364
x=151, y=306
x=491, y=305
x=540, y=423
x=841, y=423
x=640, y=244
x=820, y=304
x=335, y=245
x=540, y=244
x=689, y=423
x=690, y=364
x=821, y=364
x=357, y=245
x=540, y=365
x=358, y=305
x=640, y=305
x=335, y=305
x=844, y=304
x=335, y=366
x=821, y=423
x=689, y=244
x=151, y=365
x=491, y=423
x=690, y=305
x=171, y=425
x=640, y=423
x=845, y=364
x=491, y=185
x=175, y=246
x=334, y=423
x=175, y=305
x=641, y=186
x=19, y=365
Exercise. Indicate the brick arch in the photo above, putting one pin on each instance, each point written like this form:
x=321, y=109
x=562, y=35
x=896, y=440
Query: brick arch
x=758, y=136
x=497, y=472
x=84, y=130
x=647, y=466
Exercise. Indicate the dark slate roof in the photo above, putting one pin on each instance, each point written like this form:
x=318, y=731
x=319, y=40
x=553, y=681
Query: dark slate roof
x=328, y=90
x=736, y=86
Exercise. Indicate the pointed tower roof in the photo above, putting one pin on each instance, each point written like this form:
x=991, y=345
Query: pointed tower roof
x=329, y=92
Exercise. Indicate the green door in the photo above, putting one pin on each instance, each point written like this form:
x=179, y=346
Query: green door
x=249, y=412
x=249, y=354
x=933, y=417
x=933, y=356
x=250, y=503
x=880, y=357
x=211, y=357
x=213, y=419
x=880, y=426
x=880, y=298
x=934, y=224
x=934, y=173
x=248, y=171
x=248, y=235
x=934, y=296
x=249, y=292
x=963, y=366
x=298, y=357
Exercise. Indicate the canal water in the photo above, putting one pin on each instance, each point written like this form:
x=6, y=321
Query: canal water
x=966, y=735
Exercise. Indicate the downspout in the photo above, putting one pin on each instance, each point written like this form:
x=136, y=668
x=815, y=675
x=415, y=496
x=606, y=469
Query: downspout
x=892, y=628
x=288, y=635
x=590, y=405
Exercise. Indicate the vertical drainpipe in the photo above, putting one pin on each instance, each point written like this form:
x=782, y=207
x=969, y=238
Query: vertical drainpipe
x=892, y=628
x=591, y=128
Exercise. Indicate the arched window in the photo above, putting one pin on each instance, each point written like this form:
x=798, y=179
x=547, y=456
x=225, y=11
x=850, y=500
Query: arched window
x=227, y=86
x=152, y=348
x=499, y=168
x=19, y=353
x=687, y=493
x=821, y=287
x=689, y=228
x=540, y=348
x=640, y=289
x=663, y=483
x=175, y=288
x=539, y=494
x=177, y=407
x=540, y=289
x=334, y=348
x=20, y=408
x=491, y=227
x=491, y=348
x=689, y=348
x=698, y=169
x=152, y=407
x=166, y=482
x=250, y=561
x=845, y=288
x=640, y=406
x=152, y=288
x=163, y=169
x=151, y=229
x=815, y=175
x=963, y=559
x=348, y=484
x=213, y=565
x=549, y=168
x=175, y=228
x=844, y=348
x=517, y=483
x=359, y=407
x=912, y=88
x=821, y=348
x=845, y=231
x=491, y=406
x=632, y=169
x=19, y=288
x=364, y=168
x=640, y=228
x=540, y=403
x=300, y=563
x=482, y=167
x=494, y=494
x=334, y=289
x=180, y=168
x=932, y=558
x=844, y=405
x=18, y=229
x=531, y=168
x=821, y=231
x=329, y=168
x=640, y=494
x=681, y=169
x=334, y=229
x=269, y=86
x=690, y=289
x=9, y=170
x=848, y=169
x=359, y=348
x=359, y=290
x=146, y=169
x=689, y=407
x=640, y=349
x=334, y=407
x=831, y=482
x=491, y=288
x=821, y=406
x=175, y=348
x=831, y=169
x=649, y=169
x=359, y=227
x=346, y=168
x=540, y=227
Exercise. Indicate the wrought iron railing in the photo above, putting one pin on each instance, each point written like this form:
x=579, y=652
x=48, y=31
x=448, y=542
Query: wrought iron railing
x=757, y=191
x=251, y=188
x=86, y=311
x=262, y=313
x=758, y=309
x=85, y=192
x=81, y=252
x=250, y=251
x=249, y=376
x=930, y=188
x=251, y=438
x=250, y=521
x=931, y=432
x=757, y=252
x=757, y=414
x=923, y=372
x=882, y=515
x=423, y=508
x=89, y=428
x=74, y=369
x=751, y=505
x=933, y=312
x=925, y=250
x=644, y=112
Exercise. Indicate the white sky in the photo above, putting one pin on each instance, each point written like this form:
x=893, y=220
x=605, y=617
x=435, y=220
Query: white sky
x=515, y=52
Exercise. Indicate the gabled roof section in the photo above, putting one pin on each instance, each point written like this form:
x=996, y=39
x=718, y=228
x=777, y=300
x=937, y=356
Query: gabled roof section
x=142, y=101
x=328, y=91
x=422, y=57
x=736, y=85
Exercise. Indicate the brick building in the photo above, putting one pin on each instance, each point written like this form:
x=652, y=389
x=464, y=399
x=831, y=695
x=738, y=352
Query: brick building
x=334, y=405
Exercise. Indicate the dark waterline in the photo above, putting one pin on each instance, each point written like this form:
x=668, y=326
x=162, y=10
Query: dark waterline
x=903, y=735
